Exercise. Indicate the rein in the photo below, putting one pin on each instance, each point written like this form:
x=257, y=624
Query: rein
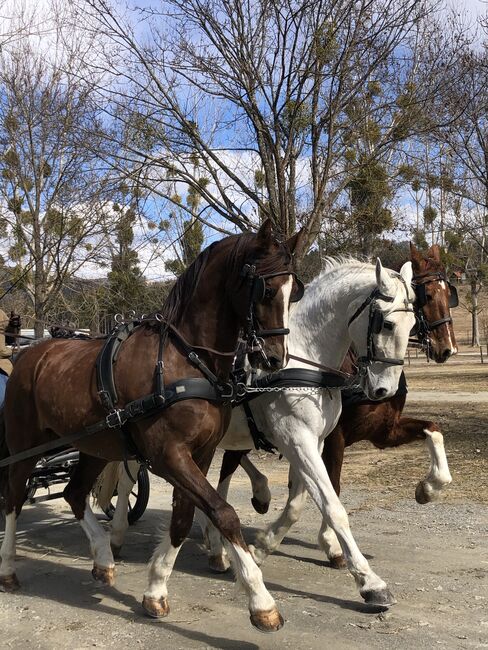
x=344, y=375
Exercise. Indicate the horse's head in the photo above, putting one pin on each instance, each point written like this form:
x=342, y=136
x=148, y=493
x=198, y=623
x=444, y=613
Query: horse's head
x=380, y=328
x=262, y=299
x=435, y=297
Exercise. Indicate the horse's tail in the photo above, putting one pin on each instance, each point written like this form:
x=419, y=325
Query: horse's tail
x=4, y=453
x=105, y=484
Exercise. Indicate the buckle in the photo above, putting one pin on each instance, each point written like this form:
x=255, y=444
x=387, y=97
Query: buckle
x=114, y=419
x=223, y=395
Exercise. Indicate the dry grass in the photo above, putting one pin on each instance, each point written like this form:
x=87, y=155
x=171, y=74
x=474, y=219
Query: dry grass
x=464, y=425
x=456, y=375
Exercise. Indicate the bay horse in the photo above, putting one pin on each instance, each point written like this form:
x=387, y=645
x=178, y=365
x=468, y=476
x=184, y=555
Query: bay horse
x=381, y=423
x=348, y=303
x=240, y=282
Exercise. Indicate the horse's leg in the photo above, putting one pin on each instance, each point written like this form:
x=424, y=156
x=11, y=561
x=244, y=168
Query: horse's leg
x=268, y=541
x=18, y=475
x=77, y=494
x=181, y=470
x=218, y=561
x=155, y=599
x=307, y=462
x=409, y=430
x=261, y=494
x=120, y=521
x=333, y=456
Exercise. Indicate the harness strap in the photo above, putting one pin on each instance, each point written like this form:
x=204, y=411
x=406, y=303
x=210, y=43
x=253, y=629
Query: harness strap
x=259, y=439
x=105, y=361
x=183, y=389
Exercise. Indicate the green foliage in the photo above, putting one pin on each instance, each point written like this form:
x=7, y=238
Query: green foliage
x=418, y=237
x=430, y=215
x=15, y=205
x=126, y=282
x=191, y=245
x=369, y=189
x=374, y=88
x=11, y=159
x=407, y=172
x=325, y=43
x=296, y=116
x=259, y=179
x=416, y=185
x=453, y=240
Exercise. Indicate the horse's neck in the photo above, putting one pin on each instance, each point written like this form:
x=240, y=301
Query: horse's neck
x=211, y=325
x=319, y=324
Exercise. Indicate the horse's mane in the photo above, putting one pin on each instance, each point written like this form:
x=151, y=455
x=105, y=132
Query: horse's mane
x=241, y=249
x=352, y=265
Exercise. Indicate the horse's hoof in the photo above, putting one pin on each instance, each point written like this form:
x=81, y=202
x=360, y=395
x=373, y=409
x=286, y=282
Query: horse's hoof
x=155, y=607
x=270, y=621
x=116, y=551
x=9, y=584
x=422, y=494
x=379, y=597
x=258, y=555
x=105, y=575
x=260, y=506
x=218, y=564
x=338, y=562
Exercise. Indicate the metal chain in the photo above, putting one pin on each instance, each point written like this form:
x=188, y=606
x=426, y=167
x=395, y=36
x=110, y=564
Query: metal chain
x=278, y=389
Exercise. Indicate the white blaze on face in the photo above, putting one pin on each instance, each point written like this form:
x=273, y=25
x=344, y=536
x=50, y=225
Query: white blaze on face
x=285, y=294
x=453, y=347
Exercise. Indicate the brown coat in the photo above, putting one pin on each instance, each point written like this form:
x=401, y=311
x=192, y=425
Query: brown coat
x=5, y=352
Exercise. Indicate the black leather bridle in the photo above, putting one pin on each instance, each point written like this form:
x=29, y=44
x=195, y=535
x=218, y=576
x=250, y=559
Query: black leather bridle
x=376, y=323
x=254, y=335
x=423, y=327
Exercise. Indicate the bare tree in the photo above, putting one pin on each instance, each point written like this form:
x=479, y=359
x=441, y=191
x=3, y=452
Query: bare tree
x=53, y=209
x=272, y=97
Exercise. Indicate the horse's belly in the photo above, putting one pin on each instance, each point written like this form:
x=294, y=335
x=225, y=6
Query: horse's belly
x=237, y=436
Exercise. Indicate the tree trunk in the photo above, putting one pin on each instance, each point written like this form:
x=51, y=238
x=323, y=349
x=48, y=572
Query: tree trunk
x=475, y=329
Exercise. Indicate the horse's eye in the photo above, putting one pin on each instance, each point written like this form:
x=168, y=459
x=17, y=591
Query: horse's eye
x=269, y=293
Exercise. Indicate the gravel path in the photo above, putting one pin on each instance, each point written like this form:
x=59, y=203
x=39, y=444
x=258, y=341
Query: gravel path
x=434, y=557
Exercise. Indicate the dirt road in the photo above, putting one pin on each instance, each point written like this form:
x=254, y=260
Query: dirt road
x=434, y=557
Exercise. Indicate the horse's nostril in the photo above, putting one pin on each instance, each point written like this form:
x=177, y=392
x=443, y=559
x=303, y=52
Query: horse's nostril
x=275, y=362
x=446, y=354
x=380, y=392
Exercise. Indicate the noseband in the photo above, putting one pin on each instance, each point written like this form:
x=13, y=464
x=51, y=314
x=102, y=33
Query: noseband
x=423, y=325
x=376, y=323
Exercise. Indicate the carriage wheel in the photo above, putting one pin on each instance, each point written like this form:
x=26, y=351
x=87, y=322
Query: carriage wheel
x=138, y=498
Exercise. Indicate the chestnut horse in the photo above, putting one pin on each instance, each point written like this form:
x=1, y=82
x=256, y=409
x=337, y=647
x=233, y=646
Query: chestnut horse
x=379, y=422
x=52, y=392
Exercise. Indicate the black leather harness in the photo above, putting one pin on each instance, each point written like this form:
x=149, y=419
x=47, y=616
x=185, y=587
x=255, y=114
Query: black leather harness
x=287, y=378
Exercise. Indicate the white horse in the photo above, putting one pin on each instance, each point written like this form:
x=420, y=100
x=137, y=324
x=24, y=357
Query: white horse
x=348, y=303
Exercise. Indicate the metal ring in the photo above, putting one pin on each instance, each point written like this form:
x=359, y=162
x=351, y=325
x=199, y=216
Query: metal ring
x=119, y=318
x=159, y=318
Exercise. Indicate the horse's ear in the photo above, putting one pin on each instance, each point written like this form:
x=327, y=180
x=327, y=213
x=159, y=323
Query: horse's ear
x=434, y=252
x=296, y=241
x=407, y=273
x=383, y=280
x=415, y=256
x=265, y=233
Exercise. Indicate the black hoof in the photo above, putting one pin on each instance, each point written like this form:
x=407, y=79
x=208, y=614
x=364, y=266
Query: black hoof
x=259, y=506
x=379, y=597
